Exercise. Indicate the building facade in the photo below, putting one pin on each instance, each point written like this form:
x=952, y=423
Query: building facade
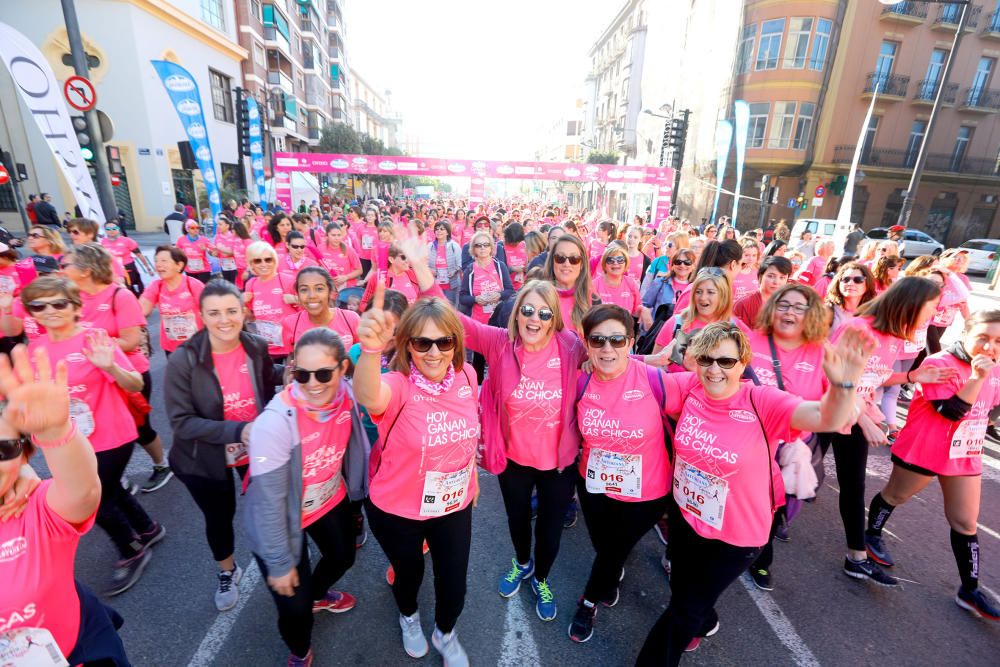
x=372, y=112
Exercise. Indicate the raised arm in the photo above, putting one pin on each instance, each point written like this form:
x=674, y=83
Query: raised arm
x=374, y=333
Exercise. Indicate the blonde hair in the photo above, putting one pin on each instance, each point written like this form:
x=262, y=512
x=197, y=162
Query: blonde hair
x=547, y=292
x=55, y=240
x=721, y=282
x=614, y=248
x=712, y=336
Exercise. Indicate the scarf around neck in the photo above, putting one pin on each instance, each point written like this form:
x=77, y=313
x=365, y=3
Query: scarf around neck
x=429, y=386
x=321, y=414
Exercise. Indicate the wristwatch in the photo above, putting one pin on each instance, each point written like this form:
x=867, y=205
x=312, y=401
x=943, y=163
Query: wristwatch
x=843, y=385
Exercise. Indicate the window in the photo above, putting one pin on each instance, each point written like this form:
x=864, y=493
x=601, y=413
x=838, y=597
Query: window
x=803, y=127
x=222, y=96
x=798, y=43
x=770, y=44
x=212, y=14
x=933, y=77
x=781, y=129
x=255, y=9
x=744, y=53
x=758, y=124
x=981, y=79
x=866, y=147
x=961, y=145
x=917, y=131
x=886, y=58
x=259, y=55
x=821, y=44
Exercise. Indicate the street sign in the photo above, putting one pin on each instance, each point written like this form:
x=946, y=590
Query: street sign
x=4, y=175
x=116, y=180
x=817, y=202
x=80, y=93
x=791, y=203
x=820, y=191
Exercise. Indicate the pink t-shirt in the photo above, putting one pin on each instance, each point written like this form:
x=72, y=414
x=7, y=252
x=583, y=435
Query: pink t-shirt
x=534, y=409
x=517, y=256
x=97, y=405
x=940, y=445
x=724, y=471
x=484, y=280
x=596, y=248
x=624, y=455
x=428, y=467
x=801, y=369
x=231, y=242
x=323, y=448
x=32, y=329
x=879, y=366
x=37, y=554
x=180, y=317
x=286, y=265
x=404, y=285
x=635, y=267
x=340, y=262
x=115, y=308
x=121, y=248
x=270, y=310
x=745, y=284
x=666, y=335
x=441, y=265
x=196, y=252
x=366, y=239
x=626, y=294
x=811, y=272
x=10, y=280
x=344, y=323
x=239, y=401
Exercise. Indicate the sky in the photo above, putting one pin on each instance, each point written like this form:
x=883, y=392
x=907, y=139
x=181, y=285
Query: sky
x=476, y=78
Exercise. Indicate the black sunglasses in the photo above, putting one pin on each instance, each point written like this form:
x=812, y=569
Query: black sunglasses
x=544, y=314
x=262, y=260
x=40, y=306
x=481, y=245
x=857, y=280
x=572, y=259
x=297, y=247
x=683, y=262
x=724, y=362
x=617, y=259
x=422, y=344
x=13, y=448
x=324, y=375
x=617, y=341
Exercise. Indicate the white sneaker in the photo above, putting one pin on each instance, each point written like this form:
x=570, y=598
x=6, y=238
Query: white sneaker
x=228, y=592
x=450, y=649
x=414, y=641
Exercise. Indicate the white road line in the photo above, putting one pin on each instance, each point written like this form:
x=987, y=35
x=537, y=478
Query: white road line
x=780, y=624
x=224, y=622
x=989, y=531
x=518, y=648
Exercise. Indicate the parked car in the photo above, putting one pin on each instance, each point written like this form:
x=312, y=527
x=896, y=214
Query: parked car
x=821, y=228
x=914, y=243
x=982, y=254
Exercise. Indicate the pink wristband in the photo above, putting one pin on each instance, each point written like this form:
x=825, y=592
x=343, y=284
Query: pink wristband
x=46, y=444
x=368, y=350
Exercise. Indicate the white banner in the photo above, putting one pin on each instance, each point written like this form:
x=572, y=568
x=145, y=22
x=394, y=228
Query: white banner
x=42, y=95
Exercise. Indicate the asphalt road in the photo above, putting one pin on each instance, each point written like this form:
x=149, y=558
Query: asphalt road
x=816, y=615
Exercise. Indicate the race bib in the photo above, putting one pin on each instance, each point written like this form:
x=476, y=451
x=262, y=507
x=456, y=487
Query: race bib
x=444, y=492
x=196, y=265
x=82, y=417
x=367, y=242
x=869, y=382
x=30, y=647
x=270, y=331
x=180, y=327
x=7, y=285
x=919, y=341
x=611, y=472
x=442, y=277
x=316, y=495
x=489, y=308
x=968, y=439
x=700, y=493
x=227, y=263
x=237, y=455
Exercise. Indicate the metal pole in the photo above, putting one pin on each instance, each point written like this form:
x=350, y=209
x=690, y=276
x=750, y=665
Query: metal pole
x=918, y=169
x=105, y=191
x=15, y=185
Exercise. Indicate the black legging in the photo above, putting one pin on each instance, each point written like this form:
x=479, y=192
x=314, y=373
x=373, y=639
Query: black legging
x=850, y=453
x=134, y=279
x=147, y=433
x=119, y=515
x=216, y=498
x=555, y=490
x=449, y=538
x=333, y=534
x=230, y=276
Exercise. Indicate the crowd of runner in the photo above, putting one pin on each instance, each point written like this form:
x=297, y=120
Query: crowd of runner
x=348, y=364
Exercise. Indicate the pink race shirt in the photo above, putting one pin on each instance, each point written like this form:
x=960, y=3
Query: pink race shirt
x=879, y=366
x=180, y=317
x=624, y=455
x=726, y=480
x=196, y=252
x=32, y=329
x=344, y=323
x=239, y=401
x=801, y=369
x=534, y=409
x=367, y=238
x=626, y=294
x=745, y=284
x=10, y=280
x=404, y=285
x=341, y=262
x=286, y=264
x=517, y=256
x=428, y=467
x=121, y=248
x=115, y=308
x=37, y=554
x=940, y=445
x=635, y=267
x=269, y=309
x=484, y=280
x=323, y=448
x=96, y=404
x=229, y=241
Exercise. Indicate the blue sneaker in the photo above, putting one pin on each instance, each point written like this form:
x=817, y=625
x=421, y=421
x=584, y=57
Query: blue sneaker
x=571, y=514
x=510, y=583
x=545, y=603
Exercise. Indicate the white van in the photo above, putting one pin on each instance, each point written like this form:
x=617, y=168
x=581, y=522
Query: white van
x=827, y=228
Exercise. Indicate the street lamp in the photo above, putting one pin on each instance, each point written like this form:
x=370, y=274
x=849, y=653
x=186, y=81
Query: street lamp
x=910, y=195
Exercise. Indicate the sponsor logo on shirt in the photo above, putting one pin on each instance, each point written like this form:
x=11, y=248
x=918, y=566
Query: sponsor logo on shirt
x=592, y=396
x=554, y=362
x=343, y=417
x=804, y=367
x=465, y=392
x=13, y=548
x=633, y=395
x=104, y=307
x=741, y=416
x=75, y=358
x=309, y=438
x=423, y=397
x=243, y=369
x=695, y=402
x=276, y=290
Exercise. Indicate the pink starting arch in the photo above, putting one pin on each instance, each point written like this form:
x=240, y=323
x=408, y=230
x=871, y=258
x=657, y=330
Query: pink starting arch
x=476, y=170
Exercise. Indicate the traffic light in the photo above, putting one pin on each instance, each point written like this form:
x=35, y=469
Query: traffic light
x=242, y=122
x=114, y=160
x=83, y=136
x=838, y=185
x=674, y=139
x=800, y=201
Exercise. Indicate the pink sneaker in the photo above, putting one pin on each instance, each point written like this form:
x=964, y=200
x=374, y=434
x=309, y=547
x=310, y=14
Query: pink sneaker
x=335, y=602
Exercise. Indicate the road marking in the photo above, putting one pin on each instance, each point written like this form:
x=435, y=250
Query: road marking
x=780, y=624
x=989, y=531
x=518, y=648
x=219, y=631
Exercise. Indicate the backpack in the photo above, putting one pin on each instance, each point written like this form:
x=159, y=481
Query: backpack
x=145, y=342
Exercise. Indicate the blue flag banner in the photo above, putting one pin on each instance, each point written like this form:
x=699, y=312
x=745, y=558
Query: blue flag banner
x=742, y=117
x=256, y=150
x=723, y=139
x=183, y=92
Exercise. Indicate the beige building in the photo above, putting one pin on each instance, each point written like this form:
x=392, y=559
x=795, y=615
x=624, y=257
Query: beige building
x=372, y=112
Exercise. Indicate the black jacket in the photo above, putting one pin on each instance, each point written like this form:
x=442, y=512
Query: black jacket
x=46, y=214
x=193, y=397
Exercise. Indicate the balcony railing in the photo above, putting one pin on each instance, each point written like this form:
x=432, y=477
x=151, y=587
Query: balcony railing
x=891, y=158
x=915, y=9
x=978, y=97
x=993, y=23
x=950, y=14
x=307, y=25
x=888, y=84
x=927, y=90
x=281, y=79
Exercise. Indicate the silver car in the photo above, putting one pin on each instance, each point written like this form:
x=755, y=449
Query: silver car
x=914, y=243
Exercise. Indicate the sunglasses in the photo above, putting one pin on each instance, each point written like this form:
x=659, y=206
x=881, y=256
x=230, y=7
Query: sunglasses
x=65, y=265
x=13, y=448
x=111, y=228
x=481, y=245
x=297, y=247
x=544, y=314
x=262, y=260
x=35, y=235
x=724, y=362
x=683, y=262
x=323, y=375
x=572, y=259
x=857, y=280
x=617, y=341
x=617, y=259
x=797, y=308
x=40, y=306
x=401, y=257
x=421, y=344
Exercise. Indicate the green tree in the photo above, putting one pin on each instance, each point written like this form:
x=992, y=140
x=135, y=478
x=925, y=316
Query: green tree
x=339, y=138
x=597, y=157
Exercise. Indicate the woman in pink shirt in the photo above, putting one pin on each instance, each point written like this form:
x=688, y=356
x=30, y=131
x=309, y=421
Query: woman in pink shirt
x=565, y=267
x=43, y=242
x=270, y=297
x=423, y=475
x=176, y=294
x=851, y=287
x=226, y=243
x=886, y=271
x=297, y=257
x=943, y=438
x=615, y=284
x=317, y=296
x=277, y=232
x=100, y=377
x=197, y=248
x=726, y=484
x=339, y=258
x=308, y=460
x=46, y=612
x=366, y=237
x=82, y=231
x=637, y=261
x=126, y=251
x=512, y=252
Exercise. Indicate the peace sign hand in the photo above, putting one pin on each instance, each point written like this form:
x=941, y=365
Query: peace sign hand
x=374, y=331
